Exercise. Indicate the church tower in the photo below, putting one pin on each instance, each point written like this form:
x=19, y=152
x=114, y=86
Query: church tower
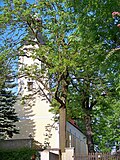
x=35, y=120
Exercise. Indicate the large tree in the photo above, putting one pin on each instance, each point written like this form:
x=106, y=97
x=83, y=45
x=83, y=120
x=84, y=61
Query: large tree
x=73, y=42
x=98, y=78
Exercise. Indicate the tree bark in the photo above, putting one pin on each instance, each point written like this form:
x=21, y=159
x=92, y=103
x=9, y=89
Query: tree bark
x=62, y=129
x=61, y=97
x=89, y=134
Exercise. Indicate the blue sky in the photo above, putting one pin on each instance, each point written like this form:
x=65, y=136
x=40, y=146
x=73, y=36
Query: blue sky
x=1, y=2
x=30, y=1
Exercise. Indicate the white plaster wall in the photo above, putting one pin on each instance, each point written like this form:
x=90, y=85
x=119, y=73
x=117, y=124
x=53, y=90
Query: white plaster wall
x=34, y=123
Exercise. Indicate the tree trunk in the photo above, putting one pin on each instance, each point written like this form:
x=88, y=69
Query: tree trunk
x=62, y=129
x=61, y=97
x=89, y=134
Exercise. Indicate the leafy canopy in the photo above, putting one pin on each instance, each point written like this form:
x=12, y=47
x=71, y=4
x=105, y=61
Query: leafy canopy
x=74, y=40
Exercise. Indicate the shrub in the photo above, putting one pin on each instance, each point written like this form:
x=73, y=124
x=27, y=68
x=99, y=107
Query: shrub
x=17, y=154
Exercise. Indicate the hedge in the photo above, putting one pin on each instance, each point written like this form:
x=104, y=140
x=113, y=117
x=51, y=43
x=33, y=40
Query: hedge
x=17, y=154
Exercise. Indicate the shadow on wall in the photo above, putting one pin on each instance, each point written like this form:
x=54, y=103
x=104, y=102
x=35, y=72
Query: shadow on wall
x=26, y=124
x=50, y=129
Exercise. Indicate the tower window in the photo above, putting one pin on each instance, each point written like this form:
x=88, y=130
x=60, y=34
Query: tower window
x=30, y=85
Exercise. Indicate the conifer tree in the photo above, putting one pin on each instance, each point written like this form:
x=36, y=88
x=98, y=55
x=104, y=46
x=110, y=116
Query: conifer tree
x=8, y=115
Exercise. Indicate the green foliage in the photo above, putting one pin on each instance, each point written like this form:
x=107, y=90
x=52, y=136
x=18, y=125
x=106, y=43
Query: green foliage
x=97, y=74
x=74, y=41
x=19, y=154
x=8, y=115
x=106, y=124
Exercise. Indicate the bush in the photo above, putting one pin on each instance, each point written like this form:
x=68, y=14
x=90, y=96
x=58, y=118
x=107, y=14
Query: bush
x=17, y=154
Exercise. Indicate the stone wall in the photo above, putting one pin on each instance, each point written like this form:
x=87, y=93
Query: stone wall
x=16, y=143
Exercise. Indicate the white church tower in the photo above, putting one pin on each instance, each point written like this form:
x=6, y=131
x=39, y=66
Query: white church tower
x=35, y=120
